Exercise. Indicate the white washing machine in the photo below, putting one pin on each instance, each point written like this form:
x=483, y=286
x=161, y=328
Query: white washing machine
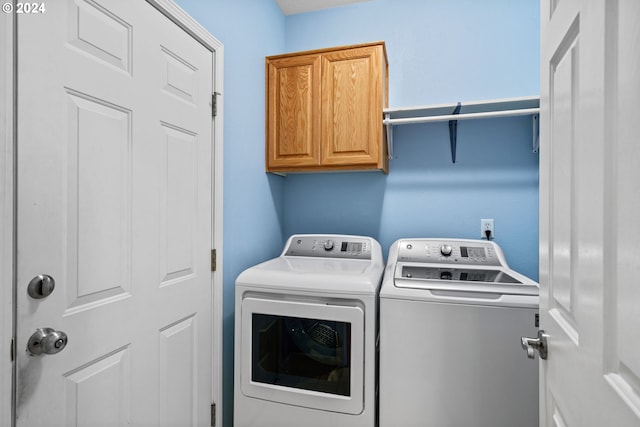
x=305, y=335
x=452, y=313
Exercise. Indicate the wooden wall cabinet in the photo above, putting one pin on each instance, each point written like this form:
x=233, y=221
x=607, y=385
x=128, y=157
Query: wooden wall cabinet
x=324, y=110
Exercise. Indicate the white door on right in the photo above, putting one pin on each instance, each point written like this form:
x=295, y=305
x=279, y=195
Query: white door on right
x=589, y=204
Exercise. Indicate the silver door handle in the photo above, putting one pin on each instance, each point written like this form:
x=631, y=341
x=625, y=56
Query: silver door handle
x=41, y=286
x=46, y=341
x=533, y=344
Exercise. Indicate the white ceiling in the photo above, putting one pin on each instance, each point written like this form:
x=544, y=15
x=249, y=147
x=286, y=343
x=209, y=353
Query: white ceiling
x=291, y=7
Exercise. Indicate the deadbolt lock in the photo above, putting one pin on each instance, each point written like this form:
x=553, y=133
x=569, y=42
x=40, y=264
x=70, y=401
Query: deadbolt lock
x=41, y=286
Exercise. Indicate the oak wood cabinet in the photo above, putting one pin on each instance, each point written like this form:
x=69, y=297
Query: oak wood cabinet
x=324, y=109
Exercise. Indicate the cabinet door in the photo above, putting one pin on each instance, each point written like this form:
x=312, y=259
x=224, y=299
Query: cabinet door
x=352, y=96
x=293, y=112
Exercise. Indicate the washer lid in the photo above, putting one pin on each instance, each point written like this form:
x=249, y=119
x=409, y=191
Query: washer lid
x=495, y=280
x=417, y=265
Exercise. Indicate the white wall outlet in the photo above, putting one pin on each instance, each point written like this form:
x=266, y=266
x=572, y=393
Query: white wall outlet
x=487, y=224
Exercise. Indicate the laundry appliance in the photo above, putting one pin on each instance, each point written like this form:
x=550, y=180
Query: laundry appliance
x=452, y=314
x=305, y=335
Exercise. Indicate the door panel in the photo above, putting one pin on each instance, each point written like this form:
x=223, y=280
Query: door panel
x=100, y=33
x=622, y=349
x=293, y=111
x=114, y=202
x=179, y=374
x=98, y=393
x=351, y=81
x=99, y=145
x=563, y=84
x=177, y=205
x=588, y=195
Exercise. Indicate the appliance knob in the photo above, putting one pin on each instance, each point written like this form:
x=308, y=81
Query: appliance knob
x=328, y=245
x=446, y=250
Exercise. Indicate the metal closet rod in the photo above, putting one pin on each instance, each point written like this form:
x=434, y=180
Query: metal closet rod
x=464, y=116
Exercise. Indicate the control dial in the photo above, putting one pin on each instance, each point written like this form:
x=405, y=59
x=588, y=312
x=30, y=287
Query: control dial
x=446, y=250
x=328, y=245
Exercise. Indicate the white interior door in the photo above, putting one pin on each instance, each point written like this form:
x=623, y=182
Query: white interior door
x=589, y=199
x=115, y=203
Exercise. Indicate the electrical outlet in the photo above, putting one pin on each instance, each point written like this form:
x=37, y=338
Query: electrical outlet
x=487, y=224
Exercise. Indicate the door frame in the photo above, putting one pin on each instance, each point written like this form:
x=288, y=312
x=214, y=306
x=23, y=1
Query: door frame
x=7, y=208
x=8, y=195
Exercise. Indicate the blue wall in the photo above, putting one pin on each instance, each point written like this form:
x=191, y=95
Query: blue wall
x=426, y=195
x=439, y=51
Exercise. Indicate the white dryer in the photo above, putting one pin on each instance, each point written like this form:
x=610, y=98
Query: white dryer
x=305, y=335
x=452, y=314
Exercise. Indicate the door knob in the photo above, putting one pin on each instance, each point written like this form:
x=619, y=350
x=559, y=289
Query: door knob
x=41, y=286
x=533, y=344
x=46, y=341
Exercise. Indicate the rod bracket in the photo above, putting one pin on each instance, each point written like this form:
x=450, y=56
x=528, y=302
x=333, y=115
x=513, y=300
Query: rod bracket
x=453, y=132
x=389, y=129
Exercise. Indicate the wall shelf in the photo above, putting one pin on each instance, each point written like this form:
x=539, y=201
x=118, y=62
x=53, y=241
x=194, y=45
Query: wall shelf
x=508, y=107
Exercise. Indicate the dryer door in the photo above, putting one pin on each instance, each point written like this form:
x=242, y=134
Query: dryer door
x=303, y=354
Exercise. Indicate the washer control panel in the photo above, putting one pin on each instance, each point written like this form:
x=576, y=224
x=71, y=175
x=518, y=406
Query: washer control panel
x=326, y=246
x=433, y=251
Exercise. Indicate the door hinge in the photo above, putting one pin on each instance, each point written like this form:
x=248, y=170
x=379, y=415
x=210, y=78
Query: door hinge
x=213, y=415
x=13, y=349
x=213, y=260
x=214, y=103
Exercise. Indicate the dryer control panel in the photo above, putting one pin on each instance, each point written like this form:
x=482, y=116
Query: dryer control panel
x=464, y=252
x=329, y=246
